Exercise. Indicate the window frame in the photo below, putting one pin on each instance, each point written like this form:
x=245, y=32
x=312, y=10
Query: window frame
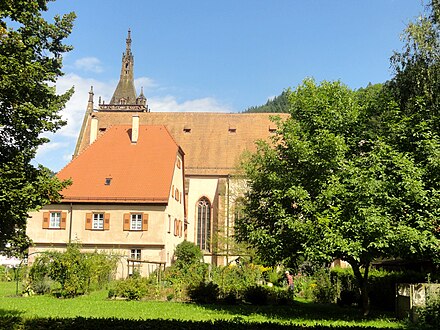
x=136, y=254
x=204, y=222
x=136, y=221
x=98, y=219
x=51, y=223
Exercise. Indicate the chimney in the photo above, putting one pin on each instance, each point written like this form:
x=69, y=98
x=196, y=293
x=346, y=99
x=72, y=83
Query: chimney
x=93, y=129
x=135, y=129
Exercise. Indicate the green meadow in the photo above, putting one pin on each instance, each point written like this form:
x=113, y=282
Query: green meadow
x=303, y=314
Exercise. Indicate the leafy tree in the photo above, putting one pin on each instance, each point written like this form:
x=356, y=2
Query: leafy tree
x=331, y=186
x=30, y=62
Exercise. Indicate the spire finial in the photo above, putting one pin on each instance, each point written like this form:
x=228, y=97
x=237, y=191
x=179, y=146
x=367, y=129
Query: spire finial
x=128, y=42
x=91, y=94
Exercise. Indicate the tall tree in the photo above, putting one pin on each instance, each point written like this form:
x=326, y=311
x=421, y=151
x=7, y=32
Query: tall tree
x=31, y=52
x=330, y=186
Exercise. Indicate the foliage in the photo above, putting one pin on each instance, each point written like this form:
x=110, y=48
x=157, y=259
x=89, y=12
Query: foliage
x=325, y=291
x=339, y=284
x=354, y=175
x=6, y=273
x=75, y=273
x=204, y=293
x=304, y=286
x=31, y=52
x=430, y=315
x=187, y=253
x=189, y=276
x=256, y=295
x=235, y=279
x=132, y=288
x=278, y=104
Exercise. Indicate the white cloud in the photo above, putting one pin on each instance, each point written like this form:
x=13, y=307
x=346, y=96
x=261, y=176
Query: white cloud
x=51, y=146
x=89, y=64
x=76, y=106
x=145, y=82
x=170, y=104
x=58, y=152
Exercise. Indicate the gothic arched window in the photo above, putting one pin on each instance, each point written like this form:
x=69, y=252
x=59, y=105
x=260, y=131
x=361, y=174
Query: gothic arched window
x=203, y=223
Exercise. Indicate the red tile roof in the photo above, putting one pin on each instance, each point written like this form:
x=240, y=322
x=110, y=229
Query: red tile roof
x=135, y=172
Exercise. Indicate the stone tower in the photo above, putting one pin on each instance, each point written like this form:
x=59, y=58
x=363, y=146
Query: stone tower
x=124, y=97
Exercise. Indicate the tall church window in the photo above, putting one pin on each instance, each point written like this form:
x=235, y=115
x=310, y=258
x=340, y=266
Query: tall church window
x=203, y=223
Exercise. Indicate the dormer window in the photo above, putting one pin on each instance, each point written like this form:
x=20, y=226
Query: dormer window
x=108, y=181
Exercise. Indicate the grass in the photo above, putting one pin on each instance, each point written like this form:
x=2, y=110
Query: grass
x=97, y=305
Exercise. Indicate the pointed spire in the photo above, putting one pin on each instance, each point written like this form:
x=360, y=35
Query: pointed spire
x=91, y=94
x=90, y=101
x=124, y=98
x=125, y=92
x=128, y=43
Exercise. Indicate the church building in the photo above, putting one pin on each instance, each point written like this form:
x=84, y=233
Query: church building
x=145, y=181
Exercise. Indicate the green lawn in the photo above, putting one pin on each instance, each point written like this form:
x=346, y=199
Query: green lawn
x=96, y=305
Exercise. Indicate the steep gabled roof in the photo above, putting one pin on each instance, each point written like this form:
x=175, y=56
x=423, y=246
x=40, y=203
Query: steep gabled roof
x=213, y=142
x=113, y=169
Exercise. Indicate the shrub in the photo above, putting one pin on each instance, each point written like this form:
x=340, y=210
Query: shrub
x=280, y=296
x=75, y=272
x=256, y=295
x=235, y=279
x=304, y=286
x=132, y=288
x=430, y=314
x=274, y=277
x=381, y=289
x=324, y=291
x=204, y=293
x=6, y=274
x=187, y=253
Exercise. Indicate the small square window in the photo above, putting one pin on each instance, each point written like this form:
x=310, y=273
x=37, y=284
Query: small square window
x=135, y=254
x=55, y=220
x=98, y=221
x=108, y=181
x=136, y=221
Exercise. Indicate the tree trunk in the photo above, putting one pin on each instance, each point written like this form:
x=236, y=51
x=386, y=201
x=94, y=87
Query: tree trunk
x=363, y=286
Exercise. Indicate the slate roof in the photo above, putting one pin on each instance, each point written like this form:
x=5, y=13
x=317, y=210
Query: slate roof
x=113, y=169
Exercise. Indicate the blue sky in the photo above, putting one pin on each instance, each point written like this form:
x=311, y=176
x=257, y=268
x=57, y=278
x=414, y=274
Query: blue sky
x=203, y=55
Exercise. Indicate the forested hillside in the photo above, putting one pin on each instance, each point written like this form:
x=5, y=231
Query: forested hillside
x=278, y=104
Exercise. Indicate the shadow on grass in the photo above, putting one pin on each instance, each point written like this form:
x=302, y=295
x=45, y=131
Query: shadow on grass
x=18, y=323
x=14, y=320
x=302, y=310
